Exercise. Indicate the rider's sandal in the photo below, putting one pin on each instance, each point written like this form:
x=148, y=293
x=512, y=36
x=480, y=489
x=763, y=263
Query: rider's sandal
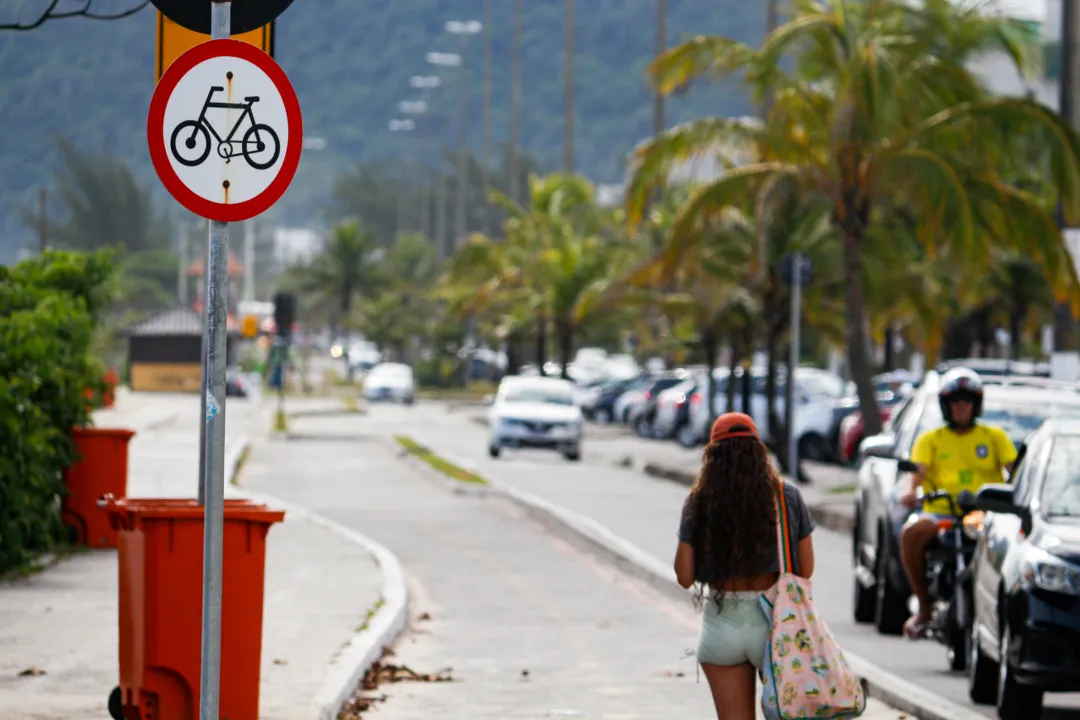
x=915, y=629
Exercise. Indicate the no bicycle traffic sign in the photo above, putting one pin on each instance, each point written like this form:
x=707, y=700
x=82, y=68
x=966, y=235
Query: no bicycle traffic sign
x=225, y=130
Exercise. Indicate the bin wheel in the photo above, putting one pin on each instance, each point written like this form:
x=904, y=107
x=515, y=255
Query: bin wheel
x=116, y=708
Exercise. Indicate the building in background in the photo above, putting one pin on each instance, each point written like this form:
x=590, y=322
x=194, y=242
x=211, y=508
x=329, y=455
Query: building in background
x=295, y=246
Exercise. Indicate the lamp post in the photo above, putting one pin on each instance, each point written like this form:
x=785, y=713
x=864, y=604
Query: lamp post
x=464, y=30
x=414, y=107
x=440, y=59
x=515, y=98
x=400, y=126
x=425, y=83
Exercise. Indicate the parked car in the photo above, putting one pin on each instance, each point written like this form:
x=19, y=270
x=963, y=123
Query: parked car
x=390, y=381
x=641, y=416
x=535, y=412
x=601, y=407
x=996, y=367
x=1025, y=630
x=673, y=408
x=881, y=588
x=891, y=388
x=816, y=392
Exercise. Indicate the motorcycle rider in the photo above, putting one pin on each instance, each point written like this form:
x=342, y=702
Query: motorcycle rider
x=961, y=455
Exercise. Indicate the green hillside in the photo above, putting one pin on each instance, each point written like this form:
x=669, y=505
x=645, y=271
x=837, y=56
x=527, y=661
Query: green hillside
x=350, y=61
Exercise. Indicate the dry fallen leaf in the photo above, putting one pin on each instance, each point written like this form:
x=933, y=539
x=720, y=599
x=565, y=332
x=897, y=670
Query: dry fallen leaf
x=424, y=616
x=32, y=672
x=279, y=661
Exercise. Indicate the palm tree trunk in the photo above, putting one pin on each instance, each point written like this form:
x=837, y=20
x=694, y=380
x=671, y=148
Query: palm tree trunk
x=565, y=330
x=513, y=356
x=890, y=360
x=710, y=345
x=1017, y=313
x=858, y=352
x=733, y=366
x=541, y=343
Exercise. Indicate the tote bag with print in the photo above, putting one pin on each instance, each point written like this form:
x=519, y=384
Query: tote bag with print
x=805, y=674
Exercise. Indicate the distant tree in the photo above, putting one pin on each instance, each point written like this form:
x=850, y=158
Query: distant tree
x=102, y=204
x=61, y=9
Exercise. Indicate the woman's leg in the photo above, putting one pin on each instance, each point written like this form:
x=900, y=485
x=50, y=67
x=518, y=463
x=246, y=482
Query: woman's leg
x=732, y=690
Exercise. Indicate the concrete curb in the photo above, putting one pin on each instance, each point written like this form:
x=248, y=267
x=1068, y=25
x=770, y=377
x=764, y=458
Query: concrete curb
x=586, y=532
x=827, y=515
x=383, y=627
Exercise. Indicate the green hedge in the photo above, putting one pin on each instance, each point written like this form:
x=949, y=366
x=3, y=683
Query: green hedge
x=49, y=308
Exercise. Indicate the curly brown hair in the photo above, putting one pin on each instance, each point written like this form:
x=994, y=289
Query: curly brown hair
x=732, y=510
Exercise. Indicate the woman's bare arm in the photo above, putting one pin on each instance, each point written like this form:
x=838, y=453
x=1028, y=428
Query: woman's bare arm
x=684, y=564
x=804, y=553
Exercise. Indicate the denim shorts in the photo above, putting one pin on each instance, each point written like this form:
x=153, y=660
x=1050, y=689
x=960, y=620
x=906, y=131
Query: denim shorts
x=737, y=633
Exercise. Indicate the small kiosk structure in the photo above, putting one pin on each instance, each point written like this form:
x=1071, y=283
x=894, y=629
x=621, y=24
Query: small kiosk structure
x=165, y=351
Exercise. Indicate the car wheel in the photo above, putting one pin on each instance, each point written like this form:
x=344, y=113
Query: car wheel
x=982, y=673
x=642, y=427
x=1015, y=701
x=572, y=454
x=494, y=450
x=865, y=600
x=116, y=704
x=890, y=610
x=602, y=416
x=686, y=435
x=813, y=447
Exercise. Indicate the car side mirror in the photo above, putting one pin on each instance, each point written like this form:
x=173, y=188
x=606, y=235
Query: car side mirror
x=489, y=400
x=1001, y=498
x=906, y=466
x=879, y=446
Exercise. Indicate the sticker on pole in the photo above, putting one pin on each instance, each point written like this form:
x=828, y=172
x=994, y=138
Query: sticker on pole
x=225, y=130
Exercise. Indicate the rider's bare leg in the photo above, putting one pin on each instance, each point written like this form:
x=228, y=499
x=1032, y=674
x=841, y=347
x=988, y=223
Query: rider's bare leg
x=916, y=536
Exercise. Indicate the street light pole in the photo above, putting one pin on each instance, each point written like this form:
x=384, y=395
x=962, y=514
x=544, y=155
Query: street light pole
x=568, y=89
x=442, y=60
x=515, y=98
x=1065, y=360
x=400, y=126
x=426, y=83
x=465, y=30
x=485, y=162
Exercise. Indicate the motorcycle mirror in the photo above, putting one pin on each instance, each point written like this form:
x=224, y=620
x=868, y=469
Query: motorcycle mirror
x=966, y=501
x=907, y=466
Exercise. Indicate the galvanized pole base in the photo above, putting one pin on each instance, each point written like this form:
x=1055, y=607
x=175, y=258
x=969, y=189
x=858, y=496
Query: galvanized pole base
x=213, y=495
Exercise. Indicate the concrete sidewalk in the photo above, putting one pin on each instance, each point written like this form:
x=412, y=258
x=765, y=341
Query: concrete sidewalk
x=527, y=625
x=61, y=624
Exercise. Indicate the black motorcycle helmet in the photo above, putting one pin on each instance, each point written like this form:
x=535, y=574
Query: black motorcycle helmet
x=960, y=384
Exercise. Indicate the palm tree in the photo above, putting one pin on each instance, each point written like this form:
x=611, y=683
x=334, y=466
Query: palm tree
x=348, y=267
x=884, y=110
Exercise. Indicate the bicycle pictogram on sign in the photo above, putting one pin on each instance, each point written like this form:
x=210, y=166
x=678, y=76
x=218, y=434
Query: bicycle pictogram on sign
x=191, y=139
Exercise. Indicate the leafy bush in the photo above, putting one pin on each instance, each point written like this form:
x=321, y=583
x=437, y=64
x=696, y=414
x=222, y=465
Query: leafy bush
x=48, y=310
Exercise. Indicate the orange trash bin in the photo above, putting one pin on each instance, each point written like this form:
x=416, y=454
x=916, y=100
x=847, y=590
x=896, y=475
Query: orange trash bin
x=102, y=470
x=160, y=545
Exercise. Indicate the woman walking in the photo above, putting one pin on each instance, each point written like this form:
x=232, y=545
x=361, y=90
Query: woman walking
x=727, y=545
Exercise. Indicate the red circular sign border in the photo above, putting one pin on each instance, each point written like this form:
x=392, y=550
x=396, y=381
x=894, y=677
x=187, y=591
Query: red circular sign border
x=155, y=126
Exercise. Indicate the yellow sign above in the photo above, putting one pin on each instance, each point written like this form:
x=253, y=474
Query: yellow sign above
x=174, y=40
x=251, y=326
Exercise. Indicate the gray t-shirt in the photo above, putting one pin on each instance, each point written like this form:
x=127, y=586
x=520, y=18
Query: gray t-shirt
x=800, y=524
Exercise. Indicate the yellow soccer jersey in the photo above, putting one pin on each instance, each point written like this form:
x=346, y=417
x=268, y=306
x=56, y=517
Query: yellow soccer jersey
x=956, y=462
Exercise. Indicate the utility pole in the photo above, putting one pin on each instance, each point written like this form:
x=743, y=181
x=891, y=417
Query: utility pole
x=43, y=220
x=181, y=265
x=568, y=90
x=661, y=46
x=249, y=260
x=515, y=98
x=1065, y=360
x=485, y=162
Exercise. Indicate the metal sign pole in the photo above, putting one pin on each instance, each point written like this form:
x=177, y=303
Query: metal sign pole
x=214, y=361
x=793, y=363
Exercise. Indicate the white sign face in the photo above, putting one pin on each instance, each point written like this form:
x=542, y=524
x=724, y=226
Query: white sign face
x=226, y=130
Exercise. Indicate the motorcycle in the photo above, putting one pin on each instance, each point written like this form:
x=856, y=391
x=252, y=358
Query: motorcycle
x=948, y=574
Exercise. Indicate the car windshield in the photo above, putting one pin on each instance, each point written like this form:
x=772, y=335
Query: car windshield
x=1017, y=418
x=550, y=396
x=390, y=371
x=1061, y=489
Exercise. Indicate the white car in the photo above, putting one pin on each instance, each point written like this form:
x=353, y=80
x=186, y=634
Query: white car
x=535, y=412
x=390, y=381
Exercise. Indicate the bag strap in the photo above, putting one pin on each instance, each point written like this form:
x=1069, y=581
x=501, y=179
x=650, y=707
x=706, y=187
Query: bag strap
x=783, y=538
